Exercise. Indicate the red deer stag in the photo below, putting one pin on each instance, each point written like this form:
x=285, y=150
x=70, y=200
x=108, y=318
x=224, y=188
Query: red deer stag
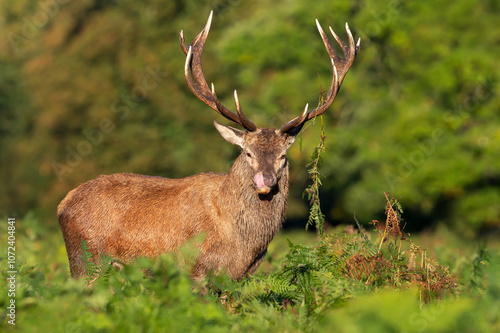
x=129, y=215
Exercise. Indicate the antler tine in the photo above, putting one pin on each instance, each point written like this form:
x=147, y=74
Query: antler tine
x=244, y=120
x=239, y=118
x=296, y=123
x=219, y=106
x=195, y=78
x=340, y=66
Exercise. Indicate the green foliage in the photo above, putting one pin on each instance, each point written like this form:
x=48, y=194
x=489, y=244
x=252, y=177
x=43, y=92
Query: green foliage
x=312, y=288
x=95, y=268
x=318, y=280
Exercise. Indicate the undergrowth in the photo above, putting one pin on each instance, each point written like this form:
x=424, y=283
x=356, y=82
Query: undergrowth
x=338, y=268
x=95, y=268
x=346, y=282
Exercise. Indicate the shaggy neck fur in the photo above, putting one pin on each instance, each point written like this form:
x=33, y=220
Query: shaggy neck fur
x=258, y=217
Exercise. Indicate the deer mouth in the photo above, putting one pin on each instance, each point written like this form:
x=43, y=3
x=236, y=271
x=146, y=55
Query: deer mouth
x=263, y=190
x=263, y=184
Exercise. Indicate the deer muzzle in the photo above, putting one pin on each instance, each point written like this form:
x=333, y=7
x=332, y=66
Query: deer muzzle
x=264, y=183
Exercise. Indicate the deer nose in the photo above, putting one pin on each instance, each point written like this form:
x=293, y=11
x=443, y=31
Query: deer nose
x=269, y=180
x=263, y=181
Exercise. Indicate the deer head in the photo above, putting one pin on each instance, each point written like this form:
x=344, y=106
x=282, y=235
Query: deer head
x=264, y=150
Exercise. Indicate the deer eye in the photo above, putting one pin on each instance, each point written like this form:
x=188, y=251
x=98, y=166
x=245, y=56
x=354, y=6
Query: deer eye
x=283, y=157
x=249, y=155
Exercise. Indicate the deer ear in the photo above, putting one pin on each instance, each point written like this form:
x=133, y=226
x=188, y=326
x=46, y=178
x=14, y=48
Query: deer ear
x=231, y=135
x=289, y=140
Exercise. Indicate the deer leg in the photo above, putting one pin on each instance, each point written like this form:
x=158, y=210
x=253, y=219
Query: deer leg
x=256, y=263
x=74, y=250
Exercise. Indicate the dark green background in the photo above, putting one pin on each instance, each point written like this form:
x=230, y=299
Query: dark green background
x=417, y=114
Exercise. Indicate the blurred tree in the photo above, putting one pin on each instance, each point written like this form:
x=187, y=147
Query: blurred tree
x=93, y=87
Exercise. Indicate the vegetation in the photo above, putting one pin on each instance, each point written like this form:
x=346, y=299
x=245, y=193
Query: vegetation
x=316, y=216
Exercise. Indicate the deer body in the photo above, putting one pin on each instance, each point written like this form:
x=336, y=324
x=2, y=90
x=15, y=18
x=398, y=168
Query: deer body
x=129, y=216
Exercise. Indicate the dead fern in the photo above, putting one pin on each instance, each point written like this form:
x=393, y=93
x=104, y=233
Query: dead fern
x=394, y=266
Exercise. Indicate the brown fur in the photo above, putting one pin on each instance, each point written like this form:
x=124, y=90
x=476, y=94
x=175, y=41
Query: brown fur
x=129, y=215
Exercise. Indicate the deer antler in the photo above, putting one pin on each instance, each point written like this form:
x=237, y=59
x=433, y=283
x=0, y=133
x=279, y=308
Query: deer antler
x=340, y=66
x=193, y=72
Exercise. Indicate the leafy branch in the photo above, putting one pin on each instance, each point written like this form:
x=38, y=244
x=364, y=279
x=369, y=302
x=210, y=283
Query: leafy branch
x=316, y=217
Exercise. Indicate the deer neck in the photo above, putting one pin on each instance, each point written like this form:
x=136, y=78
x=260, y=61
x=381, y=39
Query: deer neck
x=258, y=218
